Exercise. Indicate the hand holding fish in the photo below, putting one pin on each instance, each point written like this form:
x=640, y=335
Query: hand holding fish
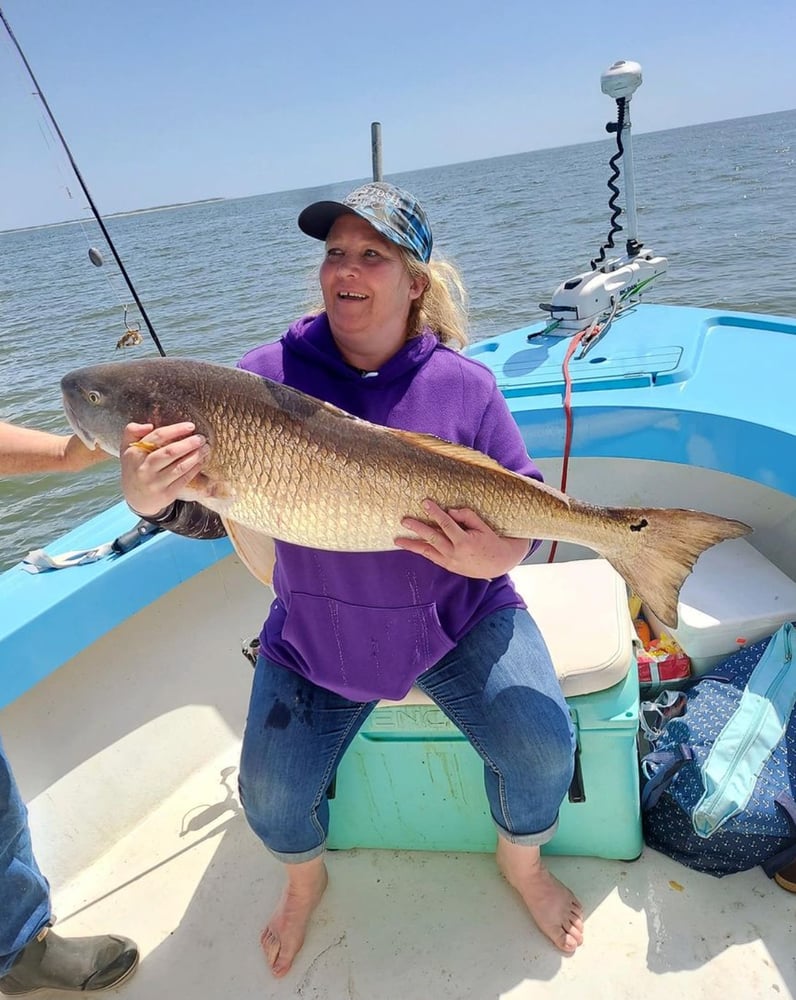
x=461, y=542
x=157, y=462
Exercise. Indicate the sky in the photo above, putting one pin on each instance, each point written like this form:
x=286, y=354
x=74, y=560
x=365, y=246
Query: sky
x=166, y=101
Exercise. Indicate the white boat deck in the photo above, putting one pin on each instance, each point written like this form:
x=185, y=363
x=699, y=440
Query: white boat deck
x=194, y=887
x=128, y=755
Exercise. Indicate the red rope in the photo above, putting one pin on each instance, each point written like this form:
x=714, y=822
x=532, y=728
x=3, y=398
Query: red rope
x=586, y=334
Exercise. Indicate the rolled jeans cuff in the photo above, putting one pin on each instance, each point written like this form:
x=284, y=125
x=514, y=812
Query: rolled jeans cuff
x=528, y=839
x=301, y=856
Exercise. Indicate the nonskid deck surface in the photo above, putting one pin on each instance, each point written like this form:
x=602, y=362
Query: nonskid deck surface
x=186, y=878
x=194, y=887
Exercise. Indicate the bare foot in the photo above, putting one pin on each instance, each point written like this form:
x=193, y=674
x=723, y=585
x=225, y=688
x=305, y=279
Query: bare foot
x=284, y=934
x=556, y=911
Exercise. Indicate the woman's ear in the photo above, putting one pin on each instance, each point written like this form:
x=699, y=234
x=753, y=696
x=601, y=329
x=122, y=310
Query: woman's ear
x=418, y=286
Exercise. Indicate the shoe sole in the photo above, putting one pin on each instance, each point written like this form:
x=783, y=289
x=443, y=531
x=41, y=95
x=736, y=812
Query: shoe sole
x=787, y=884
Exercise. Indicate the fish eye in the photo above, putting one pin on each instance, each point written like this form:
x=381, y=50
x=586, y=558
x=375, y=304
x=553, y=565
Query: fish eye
x=93, y=397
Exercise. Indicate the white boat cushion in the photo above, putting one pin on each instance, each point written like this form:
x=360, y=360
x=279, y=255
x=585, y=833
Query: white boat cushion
x=581, y=608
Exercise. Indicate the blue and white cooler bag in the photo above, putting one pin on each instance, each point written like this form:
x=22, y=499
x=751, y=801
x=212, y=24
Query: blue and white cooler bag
x=718, y=783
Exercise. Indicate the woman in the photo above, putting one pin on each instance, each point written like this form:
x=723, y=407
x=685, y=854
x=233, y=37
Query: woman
x=347, y=629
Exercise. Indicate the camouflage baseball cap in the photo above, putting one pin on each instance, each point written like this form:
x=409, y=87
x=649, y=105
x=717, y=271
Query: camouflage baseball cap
x=394, y=213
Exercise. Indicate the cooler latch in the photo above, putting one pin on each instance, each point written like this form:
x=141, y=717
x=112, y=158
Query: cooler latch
x=577, y=792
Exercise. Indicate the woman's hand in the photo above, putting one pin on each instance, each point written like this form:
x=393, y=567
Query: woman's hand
x=459, y=541
x=157, y=463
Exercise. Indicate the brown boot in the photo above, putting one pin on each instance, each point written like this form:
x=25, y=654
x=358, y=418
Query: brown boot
x=82, y=965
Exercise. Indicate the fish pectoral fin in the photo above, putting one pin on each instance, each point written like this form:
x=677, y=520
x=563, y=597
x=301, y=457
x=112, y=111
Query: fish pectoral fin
x=203, y=487
x=255, y=550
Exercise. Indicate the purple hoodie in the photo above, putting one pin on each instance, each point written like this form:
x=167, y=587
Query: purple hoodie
x=367, y=624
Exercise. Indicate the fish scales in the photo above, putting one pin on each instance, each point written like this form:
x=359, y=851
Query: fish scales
x=344, y=484
x=291, y=467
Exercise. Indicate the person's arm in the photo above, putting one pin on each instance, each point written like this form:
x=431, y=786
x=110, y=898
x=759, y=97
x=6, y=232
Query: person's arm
x=26, y=451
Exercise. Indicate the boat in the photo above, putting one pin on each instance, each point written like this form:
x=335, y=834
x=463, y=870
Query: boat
x=124, y=688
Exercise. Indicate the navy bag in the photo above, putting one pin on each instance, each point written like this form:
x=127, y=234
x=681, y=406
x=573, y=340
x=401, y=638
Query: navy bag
x=718, y=785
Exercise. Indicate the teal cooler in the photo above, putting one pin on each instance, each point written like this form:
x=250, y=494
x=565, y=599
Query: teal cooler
x=412, y=781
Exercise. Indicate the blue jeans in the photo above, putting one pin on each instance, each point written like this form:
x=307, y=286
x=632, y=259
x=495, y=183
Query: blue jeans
x=498, y=686
x=24, y=891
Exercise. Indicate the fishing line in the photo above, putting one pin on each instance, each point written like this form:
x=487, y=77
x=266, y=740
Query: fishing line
x=49, y=138
x=39, y=93
x=132, y=334
x=94, y=255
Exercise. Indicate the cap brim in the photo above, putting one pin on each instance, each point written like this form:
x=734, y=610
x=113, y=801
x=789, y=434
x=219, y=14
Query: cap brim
x=317, y=219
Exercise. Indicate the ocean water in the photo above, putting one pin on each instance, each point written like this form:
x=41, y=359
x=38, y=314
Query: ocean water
x=216, y=278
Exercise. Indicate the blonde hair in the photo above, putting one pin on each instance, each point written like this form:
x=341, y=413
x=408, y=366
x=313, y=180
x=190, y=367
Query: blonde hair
x=443, y=305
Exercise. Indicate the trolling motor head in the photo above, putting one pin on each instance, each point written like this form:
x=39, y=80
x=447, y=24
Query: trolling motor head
x=621, y=80
x=594, y=297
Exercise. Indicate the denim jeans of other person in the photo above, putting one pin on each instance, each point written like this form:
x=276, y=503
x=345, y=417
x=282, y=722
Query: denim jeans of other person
x=24, y=891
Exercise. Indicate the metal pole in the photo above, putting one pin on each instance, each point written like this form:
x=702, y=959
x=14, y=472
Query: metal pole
x=629, y=178
x=375, y=146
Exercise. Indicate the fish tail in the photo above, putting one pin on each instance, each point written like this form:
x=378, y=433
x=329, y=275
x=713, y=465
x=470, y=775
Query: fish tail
x=668, y=543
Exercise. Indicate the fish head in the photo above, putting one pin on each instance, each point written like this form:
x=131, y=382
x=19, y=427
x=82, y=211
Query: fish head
x=100, y=400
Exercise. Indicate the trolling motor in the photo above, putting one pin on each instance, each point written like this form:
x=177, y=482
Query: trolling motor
x=594, y=297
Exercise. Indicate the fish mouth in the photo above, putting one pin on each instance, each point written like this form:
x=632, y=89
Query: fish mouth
x=88, y=440
x=70, y=392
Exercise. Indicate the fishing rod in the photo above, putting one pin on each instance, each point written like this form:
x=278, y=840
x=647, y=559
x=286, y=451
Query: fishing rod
x=86, y=192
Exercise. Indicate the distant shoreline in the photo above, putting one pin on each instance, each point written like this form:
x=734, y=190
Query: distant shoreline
x=116, y=215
